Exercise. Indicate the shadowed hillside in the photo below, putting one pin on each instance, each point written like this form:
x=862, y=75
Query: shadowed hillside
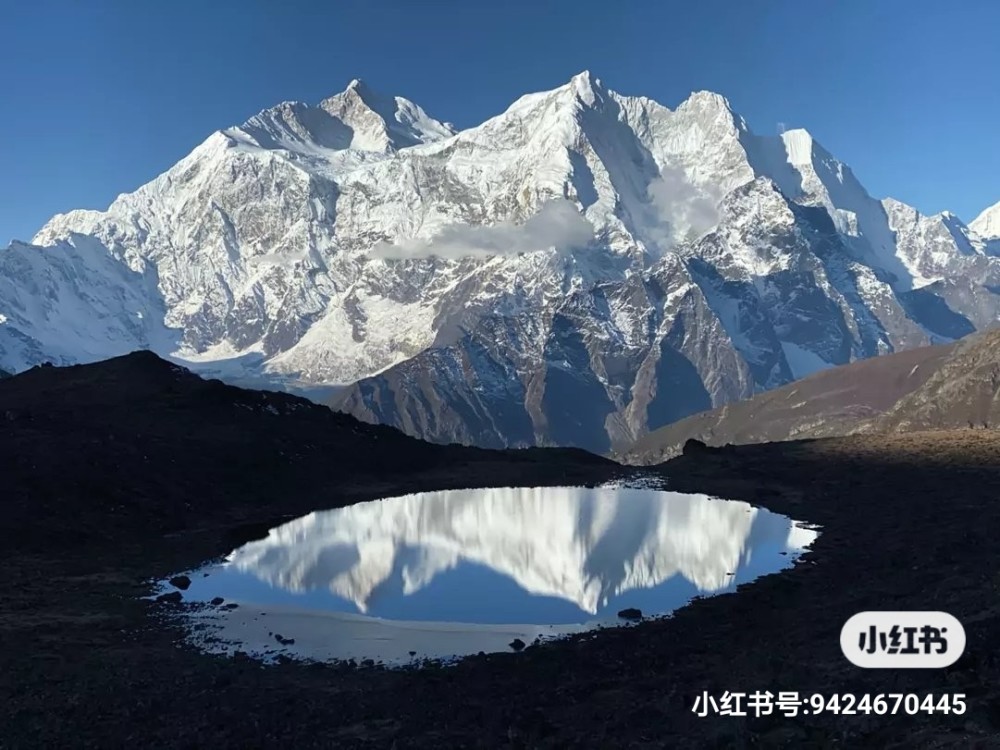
x=166, y=449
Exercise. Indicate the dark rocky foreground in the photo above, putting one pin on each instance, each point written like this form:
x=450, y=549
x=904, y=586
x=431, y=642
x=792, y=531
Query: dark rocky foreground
x=116, y=472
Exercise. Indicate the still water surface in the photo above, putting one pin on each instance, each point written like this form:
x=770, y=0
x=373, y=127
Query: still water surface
x=479, y=567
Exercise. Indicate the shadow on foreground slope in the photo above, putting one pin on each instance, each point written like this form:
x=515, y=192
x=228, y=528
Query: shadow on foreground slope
x=100, y=451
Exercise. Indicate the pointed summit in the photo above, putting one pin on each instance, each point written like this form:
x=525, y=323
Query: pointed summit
x=712, y=110
x=588, y=88
x=382, y=123
x=357, y=118
x=358, y=89
x=987, y=224
x=799, y=145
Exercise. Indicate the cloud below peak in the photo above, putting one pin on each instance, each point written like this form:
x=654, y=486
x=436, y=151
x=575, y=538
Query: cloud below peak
x=558, y=224
x=682, y=212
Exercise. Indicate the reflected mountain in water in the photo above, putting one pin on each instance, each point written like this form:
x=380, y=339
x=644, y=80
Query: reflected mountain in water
x=584, y=546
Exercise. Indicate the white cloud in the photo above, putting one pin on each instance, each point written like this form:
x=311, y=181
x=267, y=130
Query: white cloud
x=287, y=260
x=558, y=224
x=682, y=211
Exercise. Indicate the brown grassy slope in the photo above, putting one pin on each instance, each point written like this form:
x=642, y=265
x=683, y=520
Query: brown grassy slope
x=962, y=392
x=839, y=401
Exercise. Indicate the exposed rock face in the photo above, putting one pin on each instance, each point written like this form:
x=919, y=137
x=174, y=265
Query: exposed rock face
x=581, y=269
x=947, y=386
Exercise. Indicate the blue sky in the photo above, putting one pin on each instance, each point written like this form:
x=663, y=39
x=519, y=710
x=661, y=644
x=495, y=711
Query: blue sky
x=98, y=97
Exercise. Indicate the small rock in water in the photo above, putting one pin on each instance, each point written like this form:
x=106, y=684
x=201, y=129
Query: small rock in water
x=174, y=597
x=283, y=641
x=217, y=601
x=413, y=653
x=368, y=663
x=180, y=582
x=231, y=605
x=517, y=644
x=630, y=613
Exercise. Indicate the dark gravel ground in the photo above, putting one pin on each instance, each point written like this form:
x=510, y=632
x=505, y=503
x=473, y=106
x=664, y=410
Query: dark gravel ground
x=117, y=472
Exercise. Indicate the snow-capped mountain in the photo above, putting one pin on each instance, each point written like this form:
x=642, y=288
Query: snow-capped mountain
x=987, y=226
x=581, y=545
x=579, y=269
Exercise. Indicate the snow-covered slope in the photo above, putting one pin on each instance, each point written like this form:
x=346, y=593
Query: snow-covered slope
x=73, y=302
x=987, y=226
x=579, y=269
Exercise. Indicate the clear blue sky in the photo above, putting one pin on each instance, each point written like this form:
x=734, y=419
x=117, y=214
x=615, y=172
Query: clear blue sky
x=98, y=97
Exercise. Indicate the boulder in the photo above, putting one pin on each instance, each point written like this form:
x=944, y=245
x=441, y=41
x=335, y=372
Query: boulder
x=693, y=446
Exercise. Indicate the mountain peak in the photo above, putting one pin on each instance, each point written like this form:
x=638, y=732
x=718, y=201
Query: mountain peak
x=357, y=94
x=708, y=99
x=708, y=108
x=799, y=144
x=382, y=123
x=359, y=91
x=587, y=87
x=987, y=224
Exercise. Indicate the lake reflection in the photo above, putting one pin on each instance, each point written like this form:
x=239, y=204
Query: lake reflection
x=544, y=556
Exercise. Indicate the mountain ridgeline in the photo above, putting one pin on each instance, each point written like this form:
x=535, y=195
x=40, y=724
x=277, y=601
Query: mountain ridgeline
x=950, y=386
x=580, y=270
